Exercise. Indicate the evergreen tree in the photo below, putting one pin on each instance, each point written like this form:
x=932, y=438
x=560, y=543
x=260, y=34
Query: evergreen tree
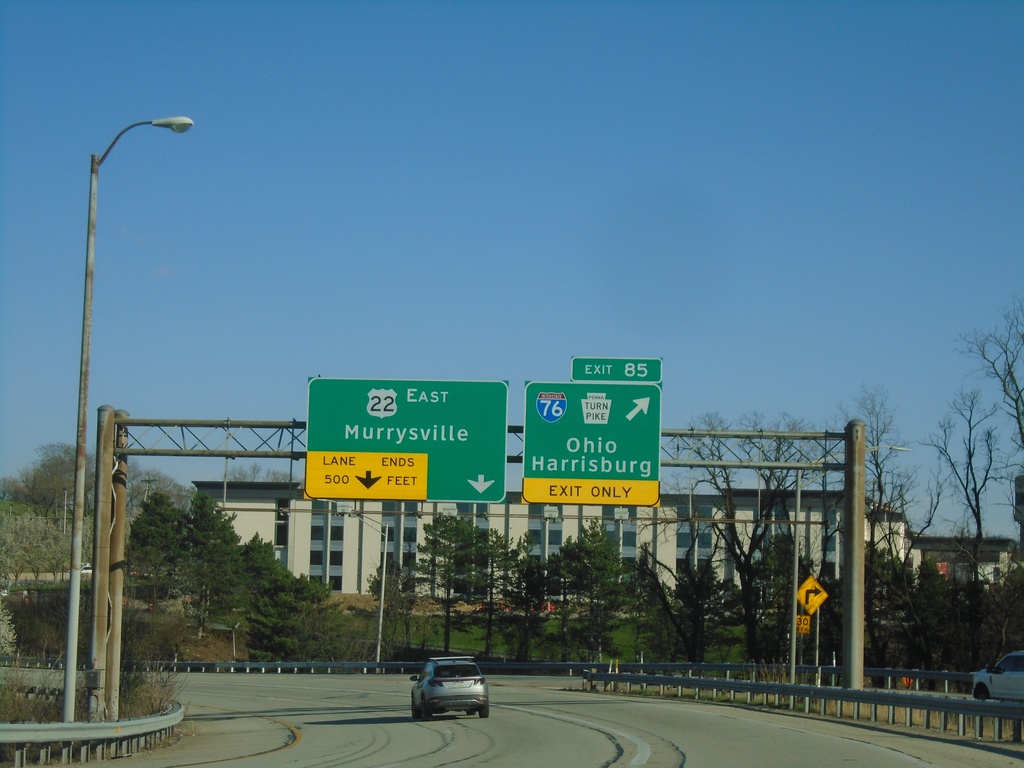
x=522, y=609
x=156, y=548
x=691, y=612
x=282, y=619
x=212, y=572
x=451, y=566
x=592, y=576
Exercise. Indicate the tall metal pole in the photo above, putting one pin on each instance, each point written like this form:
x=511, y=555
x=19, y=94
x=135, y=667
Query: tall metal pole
x=78, y=509
x=796, y=584
x=178, y=125
x=383, y=578
x=853, y=557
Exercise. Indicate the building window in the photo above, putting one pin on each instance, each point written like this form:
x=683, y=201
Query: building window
x=281, y=524
x=337, y=531
x=316, y=557
x=704, y=538
x=336, y=557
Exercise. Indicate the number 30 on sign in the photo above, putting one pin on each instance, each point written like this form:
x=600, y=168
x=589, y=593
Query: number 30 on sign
x=803, y=625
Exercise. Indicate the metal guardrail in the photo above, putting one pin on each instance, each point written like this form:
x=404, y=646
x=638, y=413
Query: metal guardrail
x=844, y=701
x=88, y=741
x=889, y=678
x=358, y=667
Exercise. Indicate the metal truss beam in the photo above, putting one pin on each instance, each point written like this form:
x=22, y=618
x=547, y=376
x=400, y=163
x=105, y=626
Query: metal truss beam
x=224, y=438
x=230, y=438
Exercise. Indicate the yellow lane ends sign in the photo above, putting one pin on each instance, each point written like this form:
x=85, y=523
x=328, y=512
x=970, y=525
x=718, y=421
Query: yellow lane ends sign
x=366, y=475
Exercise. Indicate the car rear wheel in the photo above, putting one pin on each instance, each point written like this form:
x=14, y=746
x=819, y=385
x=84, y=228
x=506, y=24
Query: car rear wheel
x=485, y=711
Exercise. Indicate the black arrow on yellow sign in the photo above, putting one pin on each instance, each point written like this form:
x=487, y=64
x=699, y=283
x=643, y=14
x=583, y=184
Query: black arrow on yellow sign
x=368, y=480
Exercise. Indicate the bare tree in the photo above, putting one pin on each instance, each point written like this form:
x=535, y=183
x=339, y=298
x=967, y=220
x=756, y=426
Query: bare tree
x=889, y=583
x=967, y=445
x=144, y=482
x=45, y=484
x=1001, y=353
x=745, y=544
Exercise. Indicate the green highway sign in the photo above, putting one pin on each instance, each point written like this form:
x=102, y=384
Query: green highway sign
x=406, y=440
x=592, y=443
x=627, y=369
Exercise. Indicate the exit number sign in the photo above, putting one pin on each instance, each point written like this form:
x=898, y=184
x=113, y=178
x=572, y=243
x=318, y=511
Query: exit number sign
x=625, y=369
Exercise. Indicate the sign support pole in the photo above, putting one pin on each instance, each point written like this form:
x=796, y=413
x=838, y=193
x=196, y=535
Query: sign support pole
x=853, y=557
x=796, y=584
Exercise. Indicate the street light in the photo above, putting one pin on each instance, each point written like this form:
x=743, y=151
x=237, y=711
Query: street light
x=383, y=528
x=178, y=125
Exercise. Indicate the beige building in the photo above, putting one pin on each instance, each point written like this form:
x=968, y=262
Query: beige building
x=953, y=559
x=340, y=543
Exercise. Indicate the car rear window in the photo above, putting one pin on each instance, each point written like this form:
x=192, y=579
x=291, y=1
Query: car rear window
x=458, y=670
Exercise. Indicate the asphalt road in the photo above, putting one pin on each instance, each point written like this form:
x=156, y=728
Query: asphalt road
x=271, y=721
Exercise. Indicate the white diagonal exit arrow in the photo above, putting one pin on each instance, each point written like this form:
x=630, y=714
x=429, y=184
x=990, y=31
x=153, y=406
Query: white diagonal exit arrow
x=480, y=484
x=642, y=404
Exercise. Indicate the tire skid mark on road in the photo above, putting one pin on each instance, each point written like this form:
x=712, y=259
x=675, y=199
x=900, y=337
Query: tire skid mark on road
x=379, y=741
x=642, y=747
x=448, y=738
x=295, y=737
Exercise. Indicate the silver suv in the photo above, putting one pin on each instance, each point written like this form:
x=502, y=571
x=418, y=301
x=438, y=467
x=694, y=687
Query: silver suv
x=450, y=684
x=1004, y=680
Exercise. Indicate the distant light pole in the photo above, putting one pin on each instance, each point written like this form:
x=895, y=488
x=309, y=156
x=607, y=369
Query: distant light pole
x=178, y=125
x=383, y=581
x=383, y=528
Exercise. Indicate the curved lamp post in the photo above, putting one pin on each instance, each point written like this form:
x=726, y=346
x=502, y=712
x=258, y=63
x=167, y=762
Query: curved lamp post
x=178, y=125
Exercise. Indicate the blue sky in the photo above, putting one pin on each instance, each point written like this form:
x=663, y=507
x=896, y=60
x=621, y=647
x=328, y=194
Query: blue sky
x=788, y=202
